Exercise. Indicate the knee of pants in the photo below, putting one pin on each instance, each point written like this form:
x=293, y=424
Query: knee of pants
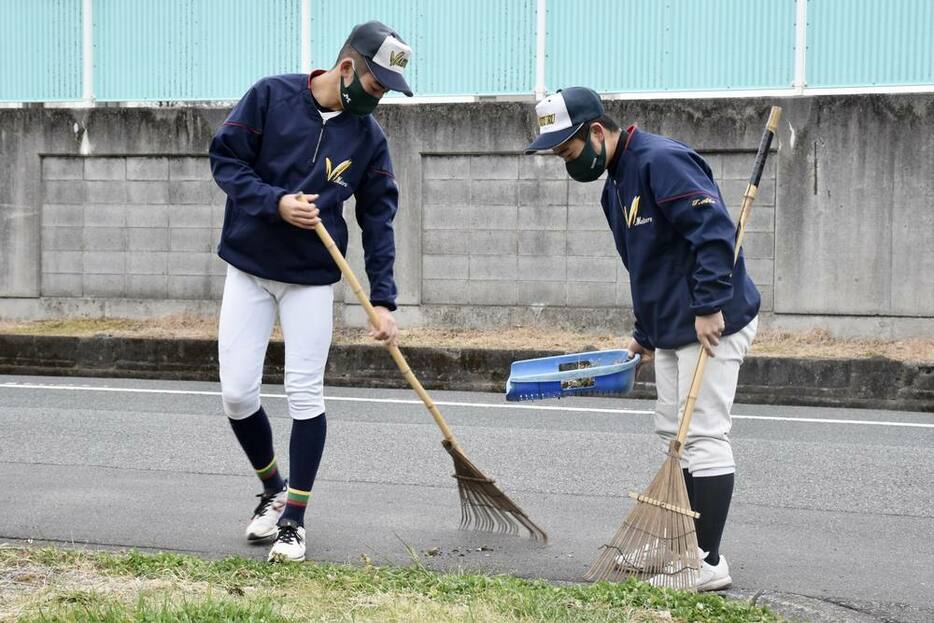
x=240, y=402
x=304, y=405
x=666, y=419
x=708, y=456
x=306, y=402
x=305, y=390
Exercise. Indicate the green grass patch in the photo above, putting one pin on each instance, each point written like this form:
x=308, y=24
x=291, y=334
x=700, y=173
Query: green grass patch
x=99, y=608
x=224, y=610
x=71, y=585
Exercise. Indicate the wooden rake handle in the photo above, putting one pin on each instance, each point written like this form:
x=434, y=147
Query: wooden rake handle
x=752, y=189
x=397, y=356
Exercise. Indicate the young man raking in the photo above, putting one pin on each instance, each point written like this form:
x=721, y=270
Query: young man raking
x=290, y=153
x=676, y=239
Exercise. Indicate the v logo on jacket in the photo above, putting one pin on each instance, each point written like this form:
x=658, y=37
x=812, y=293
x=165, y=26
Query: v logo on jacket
x=333, y=173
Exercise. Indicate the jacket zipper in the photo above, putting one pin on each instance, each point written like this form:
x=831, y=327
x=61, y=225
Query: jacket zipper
x=622, y=207
x=314, y=158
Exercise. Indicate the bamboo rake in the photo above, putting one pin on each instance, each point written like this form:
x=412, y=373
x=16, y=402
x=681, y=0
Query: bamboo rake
x=483, y=505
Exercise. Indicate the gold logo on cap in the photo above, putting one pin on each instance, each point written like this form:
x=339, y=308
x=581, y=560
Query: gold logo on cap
x=546, y=120
x=399, y=59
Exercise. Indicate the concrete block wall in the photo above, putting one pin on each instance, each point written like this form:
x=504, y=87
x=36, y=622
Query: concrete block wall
x=514, y=230
x=111, y=211
x=130, y=227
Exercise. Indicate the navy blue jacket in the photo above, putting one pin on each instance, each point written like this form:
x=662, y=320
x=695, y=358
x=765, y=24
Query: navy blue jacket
x=676, y=238
x=275, y=142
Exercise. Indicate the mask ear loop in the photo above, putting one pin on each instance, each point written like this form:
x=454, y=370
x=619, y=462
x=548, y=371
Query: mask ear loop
x=353, y=68
x=341, y=87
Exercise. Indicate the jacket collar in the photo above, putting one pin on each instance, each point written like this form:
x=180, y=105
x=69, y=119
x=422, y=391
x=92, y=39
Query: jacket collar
x=616, y=166
x=344, y=117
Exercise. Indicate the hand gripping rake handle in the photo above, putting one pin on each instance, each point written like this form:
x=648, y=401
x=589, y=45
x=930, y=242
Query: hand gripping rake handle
x=752, y=189
x=397, y=356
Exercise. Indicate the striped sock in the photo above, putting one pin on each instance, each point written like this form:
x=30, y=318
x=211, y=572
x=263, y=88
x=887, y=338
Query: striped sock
x=296, y=503
x=270, y=477
x=255, y=437
x=305, y=448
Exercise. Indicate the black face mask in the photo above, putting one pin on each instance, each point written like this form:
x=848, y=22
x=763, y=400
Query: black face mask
x=589, y=165
x=355, y=99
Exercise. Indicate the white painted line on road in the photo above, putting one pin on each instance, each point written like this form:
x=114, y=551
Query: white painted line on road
x=484, y=405
x=191, y=392
x=479, y=405
x=818, y=420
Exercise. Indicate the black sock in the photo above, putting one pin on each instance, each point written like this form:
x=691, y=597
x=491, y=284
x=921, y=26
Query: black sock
x=255, y=437
x=712, y=495
x=689, y=483
x=305, y=449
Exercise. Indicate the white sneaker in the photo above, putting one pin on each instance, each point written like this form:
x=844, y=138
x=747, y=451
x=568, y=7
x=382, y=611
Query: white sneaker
x=289, y=545
x=713, y=577
x=266, y=515
x=707, y=578
x=634, y=561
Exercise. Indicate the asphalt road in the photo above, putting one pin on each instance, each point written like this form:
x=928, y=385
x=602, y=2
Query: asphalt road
x=830, y=503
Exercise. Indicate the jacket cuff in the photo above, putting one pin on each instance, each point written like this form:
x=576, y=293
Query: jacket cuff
x=272, y=210
x=706, y=310
x=644, y=343
x=390, y=305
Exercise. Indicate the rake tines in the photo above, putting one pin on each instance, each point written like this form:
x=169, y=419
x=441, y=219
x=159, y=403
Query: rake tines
x=484, y=506
x=657, y=541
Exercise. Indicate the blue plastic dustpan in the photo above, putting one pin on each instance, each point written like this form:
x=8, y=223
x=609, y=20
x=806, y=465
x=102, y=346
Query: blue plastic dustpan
x=595, y=373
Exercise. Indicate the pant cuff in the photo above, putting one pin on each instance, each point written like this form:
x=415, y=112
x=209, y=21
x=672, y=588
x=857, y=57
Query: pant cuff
x=708, y=472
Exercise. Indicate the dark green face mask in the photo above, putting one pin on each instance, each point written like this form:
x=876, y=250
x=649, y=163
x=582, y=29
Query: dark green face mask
x=355, y=99
x=589, y=165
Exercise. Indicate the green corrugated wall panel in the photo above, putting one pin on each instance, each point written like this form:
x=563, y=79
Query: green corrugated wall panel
x=40, y=50
x=191, y=49
x=214, y=49
x=670, y=45
x=459, y=47
x=870, y=42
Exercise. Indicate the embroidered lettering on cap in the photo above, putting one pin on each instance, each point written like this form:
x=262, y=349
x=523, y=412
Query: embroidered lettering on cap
x=398, y=58
x=393, y=55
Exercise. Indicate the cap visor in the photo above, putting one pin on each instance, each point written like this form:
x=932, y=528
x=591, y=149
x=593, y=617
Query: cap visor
x=389, y=79
x=550, y=140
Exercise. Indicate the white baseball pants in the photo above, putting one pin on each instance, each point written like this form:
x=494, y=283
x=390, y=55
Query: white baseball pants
x=248, y=312
x=707, y=449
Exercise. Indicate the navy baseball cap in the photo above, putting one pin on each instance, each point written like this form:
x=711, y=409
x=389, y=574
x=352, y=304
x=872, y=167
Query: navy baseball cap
x=386, y=54
x=562, y=114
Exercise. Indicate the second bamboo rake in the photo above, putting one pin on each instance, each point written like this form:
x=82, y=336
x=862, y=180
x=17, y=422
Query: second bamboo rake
x=483, y=505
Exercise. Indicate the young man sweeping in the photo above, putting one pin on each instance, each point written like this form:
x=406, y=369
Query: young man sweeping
x=290, y=153
x=676, y=239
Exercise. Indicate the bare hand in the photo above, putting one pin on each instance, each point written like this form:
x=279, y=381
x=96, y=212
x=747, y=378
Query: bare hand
x=298, y=210
x=646, y=355
x=709, y=329
x=387, y=332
